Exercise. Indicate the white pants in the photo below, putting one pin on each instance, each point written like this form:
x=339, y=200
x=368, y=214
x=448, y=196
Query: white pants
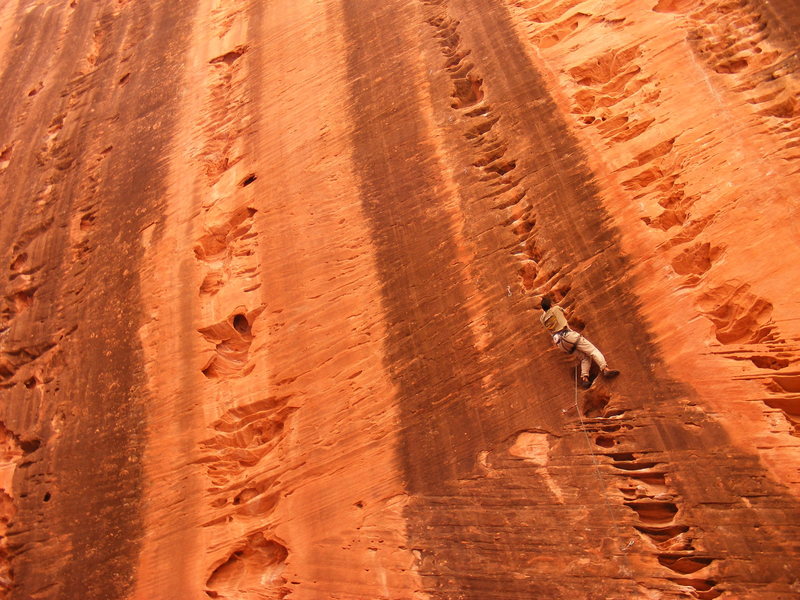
x=586, y=351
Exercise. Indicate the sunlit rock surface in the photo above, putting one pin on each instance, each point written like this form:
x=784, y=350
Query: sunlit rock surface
x=270, y=283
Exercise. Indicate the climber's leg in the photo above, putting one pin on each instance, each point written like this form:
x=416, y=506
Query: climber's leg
x=586, y=347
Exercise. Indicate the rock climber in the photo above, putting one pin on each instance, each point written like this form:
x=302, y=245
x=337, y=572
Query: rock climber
x=571, y=341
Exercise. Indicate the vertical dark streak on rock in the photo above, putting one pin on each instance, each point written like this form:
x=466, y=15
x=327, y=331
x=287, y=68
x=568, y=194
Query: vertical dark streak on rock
x=106, y=542
x=85, y=542
x=430, y=351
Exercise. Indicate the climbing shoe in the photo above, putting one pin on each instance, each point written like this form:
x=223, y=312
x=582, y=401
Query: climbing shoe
x=586, y=383
x=610, y=373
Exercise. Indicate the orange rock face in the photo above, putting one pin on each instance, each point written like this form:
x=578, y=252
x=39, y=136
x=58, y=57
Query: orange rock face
x=269, y=312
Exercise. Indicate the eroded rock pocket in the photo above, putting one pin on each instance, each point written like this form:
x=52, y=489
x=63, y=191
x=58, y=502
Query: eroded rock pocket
x=232, y=338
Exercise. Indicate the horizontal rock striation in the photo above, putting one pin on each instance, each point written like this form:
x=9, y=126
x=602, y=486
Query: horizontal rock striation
x=269, y=311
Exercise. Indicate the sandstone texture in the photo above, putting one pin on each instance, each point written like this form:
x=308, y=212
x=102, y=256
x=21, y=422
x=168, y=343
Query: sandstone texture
x=270, y=276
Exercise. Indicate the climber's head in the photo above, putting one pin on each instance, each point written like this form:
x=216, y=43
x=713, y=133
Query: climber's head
x=546, y=303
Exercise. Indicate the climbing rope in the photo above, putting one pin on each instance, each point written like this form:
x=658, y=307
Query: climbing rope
x=596, y=464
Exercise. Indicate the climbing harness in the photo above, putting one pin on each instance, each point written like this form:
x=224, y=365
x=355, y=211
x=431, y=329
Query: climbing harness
x=632, y=541
x=560, y=340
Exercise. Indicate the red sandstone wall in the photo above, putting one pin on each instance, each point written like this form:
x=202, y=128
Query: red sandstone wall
x=270, y=277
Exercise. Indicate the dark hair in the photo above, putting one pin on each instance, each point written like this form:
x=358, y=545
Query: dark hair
x=546, y=303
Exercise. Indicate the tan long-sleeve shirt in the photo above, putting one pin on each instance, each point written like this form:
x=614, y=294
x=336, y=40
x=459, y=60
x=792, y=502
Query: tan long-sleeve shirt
x=554, y=319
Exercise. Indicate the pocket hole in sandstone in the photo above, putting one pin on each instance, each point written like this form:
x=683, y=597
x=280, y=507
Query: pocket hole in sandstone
x=604, y=441
x=614, y=413
x=634, y=466
x=124, y=78
x=210, y=371
x=481, y=111
x=696, y=260
x=87, y=221
x=502, y=169
x=534, y=253
x=245, y=496
x=663, y=534
x=626, y=456
x=229, y=57
x=453, y=62
x=248, y=180
x=46, y=497
x=7, y=370
x=788, y=384
x=212, y=283
x=29, y=446
x=19, y=261
x=703, y=588
x=654, y=512
x=257, y=565
x=595, y=403
x=731, y=66
x=241, y=324
x=481, y=129
x=655, y=480
x=768, y=362
x=523, y=228
x=5, y=156
x=684, y=564
x=467, y=92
